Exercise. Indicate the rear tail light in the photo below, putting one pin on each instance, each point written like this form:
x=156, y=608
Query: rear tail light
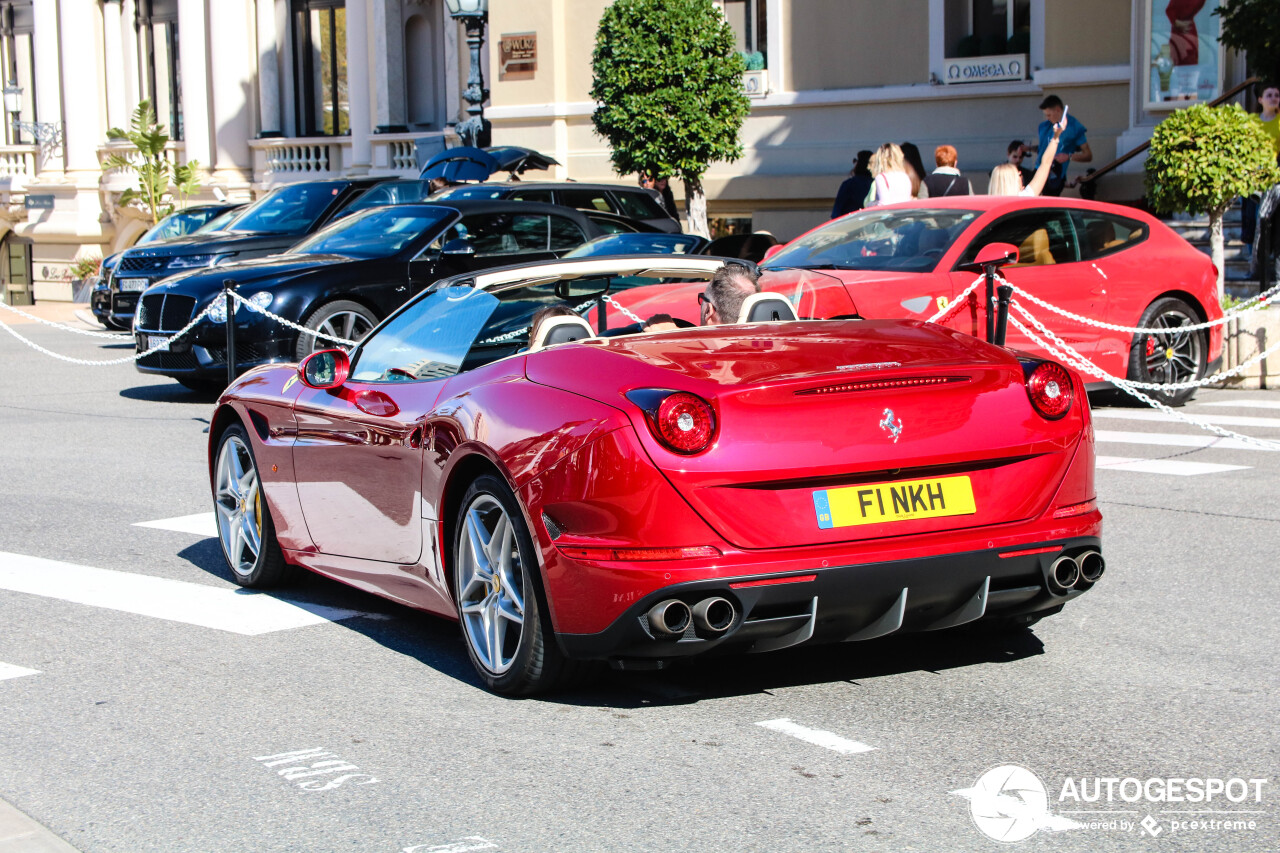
x=1049, y=387
x=683, y=422
x=642, y=554
x=1075, y=509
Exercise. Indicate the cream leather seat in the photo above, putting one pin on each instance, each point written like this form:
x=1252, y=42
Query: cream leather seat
x=561, y=330
x=766, y=308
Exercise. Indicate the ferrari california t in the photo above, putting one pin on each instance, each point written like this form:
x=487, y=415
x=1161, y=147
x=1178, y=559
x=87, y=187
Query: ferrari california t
x=642, y=497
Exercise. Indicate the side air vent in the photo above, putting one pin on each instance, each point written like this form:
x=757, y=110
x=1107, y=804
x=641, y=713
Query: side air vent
x=882, y=384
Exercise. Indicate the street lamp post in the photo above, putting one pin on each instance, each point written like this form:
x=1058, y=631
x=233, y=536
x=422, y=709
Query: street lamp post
x=47, y=133
x=472, y=13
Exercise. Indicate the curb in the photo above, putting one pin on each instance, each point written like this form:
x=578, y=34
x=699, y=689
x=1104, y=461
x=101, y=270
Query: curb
x=21, y=834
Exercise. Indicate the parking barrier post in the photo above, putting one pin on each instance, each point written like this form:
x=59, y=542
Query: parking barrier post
x=228, y=286
x=1005, y=292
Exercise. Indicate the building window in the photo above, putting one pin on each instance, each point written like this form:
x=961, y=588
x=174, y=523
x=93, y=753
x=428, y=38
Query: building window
x=749, y=22
x=156, y=23
x=320, y=67
x=16, y=52
x=988, y=27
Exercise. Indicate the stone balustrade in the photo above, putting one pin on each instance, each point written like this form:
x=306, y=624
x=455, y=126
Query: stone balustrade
x=18, y=161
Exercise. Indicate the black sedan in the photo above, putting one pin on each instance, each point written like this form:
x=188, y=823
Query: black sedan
x=342, y=281
x=271, y=224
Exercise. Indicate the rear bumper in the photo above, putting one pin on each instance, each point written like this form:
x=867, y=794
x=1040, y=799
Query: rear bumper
x=845, y=603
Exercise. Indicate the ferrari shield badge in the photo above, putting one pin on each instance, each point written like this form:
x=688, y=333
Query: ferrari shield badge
x=892, y=424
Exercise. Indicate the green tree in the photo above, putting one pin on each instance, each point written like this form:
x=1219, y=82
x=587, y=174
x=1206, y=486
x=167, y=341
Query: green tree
x=669, y=83
x=1202, y=158
x=1253, y=26
x=155, y=173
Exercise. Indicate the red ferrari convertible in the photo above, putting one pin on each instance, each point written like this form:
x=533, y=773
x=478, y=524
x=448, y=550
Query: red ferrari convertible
x=641, y=497
x=1105, y=262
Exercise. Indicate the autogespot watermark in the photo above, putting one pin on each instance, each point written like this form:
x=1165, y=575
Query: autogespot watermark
x=1010, y=803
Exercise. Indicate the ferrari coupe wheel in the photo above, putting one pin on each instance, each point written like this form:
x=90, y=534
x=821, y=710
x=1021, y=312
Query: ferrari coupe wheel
x=245, y=531
x=343, y=319
x=495, y=574
x=1172, y=354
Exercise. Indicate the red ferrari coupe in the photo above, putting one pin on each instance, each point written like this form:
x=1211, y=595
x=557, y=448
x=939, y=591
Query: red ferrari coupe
x=1105, y=262
x=641, y=497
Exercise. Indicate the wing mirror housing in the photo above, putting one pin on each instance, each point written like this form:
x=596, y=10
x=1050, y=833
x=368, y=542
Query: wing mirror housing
x=994, y=255
x=458, y=246
x=325, y=369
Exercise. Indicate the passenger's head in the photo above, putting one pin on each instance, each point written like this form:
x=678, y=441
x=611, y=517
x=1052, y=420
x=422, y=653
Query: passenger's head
x=1052, y=108
x=1016, y=151
x=888, y=158
x=545, y=313
x=722, y=301
x=1005, y=180
x=945, y=155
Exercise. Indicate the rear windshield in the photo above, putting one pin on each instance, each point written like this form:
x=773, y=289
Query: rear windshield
x=392, y=192
x=288, y=210
x=638, y=205
x=908, y=239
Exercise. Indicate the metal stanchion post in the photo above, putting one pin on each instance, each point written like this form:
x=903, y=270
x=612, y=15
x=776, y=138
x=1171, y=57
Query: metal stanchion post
x=989, y=270
x=1002, y=317
x=228, y=285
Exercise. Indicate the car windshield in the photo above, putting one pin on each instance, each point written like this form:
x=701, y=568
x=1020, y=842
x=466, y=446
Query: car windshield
x=378, y=233
x=392, y=192
x=637, y=244
x=480, y=191
x=287, y=210
x=221, y=221
x=906, y=239
x=177, y=224
x=452, y=329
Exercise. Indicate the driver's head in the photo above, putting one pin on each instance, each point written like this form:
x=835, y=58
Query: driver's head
x=722, y=301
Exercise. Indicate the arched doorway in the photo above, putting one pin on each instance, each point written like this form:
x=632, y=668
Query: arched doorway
x=424, y=68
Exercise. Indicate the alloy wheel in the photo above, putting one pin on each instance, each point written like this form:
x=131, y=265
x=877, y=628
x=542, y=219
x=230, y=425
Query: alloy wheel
x=238, y=501
x=491, y=586
x=1174, y=353
x=347, y=325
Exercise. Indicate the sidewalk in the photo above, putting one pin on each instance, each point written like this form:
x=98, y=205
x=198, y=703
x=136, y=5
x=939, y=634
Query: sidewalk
x=21, y=834
x=75, y=314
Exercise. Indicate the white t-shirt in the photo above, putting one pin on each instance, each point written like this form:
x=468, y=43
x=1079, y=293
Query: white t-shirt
x=891, y=187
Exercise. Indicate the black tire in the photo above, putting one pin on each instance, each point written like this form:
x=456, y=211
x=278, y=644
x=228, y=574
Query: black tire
x=341, y=318
x=1172, y=356
x=235, y=494
x=531, y=662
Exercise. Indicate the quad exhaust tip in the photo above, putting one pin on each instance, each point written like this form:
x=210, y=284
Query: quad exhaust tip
x=1091, y=566
x=669, y=618
x=712, y=616
x=1063, y=575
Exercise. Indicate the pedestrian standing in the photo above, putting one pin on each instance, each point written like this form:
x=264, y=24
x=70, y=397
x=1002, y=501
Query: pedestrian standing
x=1073, y=144
x=946, y=179
x=1006, y=181
x=663, y=187
x=1016, y=153
x=915, y=168
x=890, y=181
x=1269, y=101
x=852, y=194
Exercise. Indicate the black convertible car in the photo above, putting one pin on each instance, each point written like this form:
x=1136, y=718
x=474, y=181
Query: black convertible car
x=342, y=281
x=271, y=224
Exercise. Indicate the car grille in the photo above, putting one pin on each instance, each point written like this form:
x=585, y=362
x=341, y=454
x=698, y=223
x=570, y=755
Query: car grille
x=246, y=353
x=164, y=360
x=165, y=312
x=128, y=264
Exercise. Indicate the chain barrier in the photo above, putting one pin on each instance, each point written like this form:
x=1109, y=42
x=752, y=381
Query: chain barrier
x=954, y=304
x=66, y=328
x=240, y=300
x=1064, y=352
x=163, y=345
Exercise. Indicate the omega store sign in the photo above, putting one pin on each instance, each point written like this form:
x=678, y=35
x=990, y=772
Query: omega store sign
x=518, y=56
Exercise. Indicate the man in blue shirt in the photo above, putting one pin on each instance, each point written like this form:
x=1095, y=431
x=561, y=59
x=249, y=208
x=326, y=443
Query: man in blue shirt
x=1072, y=145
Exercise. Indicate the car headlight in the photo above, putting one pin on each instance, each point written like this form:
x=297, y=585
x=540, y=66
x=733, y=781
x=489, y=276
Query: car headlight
x=187, y=262
x=218, y=313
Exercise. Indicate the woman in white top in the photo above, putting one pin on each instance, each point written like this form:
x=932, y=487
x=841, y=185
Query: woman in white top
x=1007, y=180
x=890, y=183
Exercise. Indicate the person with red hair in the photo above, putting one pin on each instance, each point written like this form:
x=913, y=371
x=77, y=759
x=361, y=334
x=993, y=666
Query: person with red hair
x=946, y=179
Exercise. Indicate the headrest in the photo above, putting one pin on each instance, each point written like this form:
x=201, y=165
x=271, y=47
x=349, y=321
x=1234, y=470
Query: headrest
x=561, y=330
x=766, y=308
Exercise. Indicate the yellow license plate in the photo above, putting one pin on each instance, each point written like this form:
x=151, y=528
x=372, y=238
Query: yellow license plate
x=877, y=503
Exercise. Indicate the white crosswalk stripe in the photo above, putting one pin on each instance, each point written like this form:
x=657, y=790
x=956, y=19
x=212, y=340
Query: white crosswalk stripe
x=1217, y=420
x=1176, y=467
x=1161, y=439
x=8, y=670
x=1245, y=404
x=225, y=609
x=1148, y=452
x=200, y=524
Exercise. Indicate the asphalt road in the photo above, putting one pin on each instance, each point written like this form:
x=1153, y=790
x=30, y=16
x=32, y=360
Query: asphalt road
x=147, y=732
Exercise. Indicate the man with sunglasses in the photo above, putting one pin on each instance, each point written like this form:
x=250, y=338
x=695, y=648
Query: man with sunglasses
x=730, y=286
x=1017, y=152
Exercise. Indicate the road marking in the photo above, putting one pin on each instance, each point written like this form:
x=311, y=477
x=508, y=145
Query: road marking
x=201, y=524
x=8, y=670
x=1246, y=404
x=817, y=737
x=1177, y=440
x=1220, y=420
x=329, y=764
x=236, y=610
x=462, y=845
x=1175, y=467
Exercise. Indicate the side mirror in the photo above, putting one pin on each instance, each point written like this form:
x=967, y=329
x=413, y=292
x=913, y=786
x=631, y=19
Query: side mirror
x=458, y=246
x=325, y=369
x=994, y=255
x=771, y=251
